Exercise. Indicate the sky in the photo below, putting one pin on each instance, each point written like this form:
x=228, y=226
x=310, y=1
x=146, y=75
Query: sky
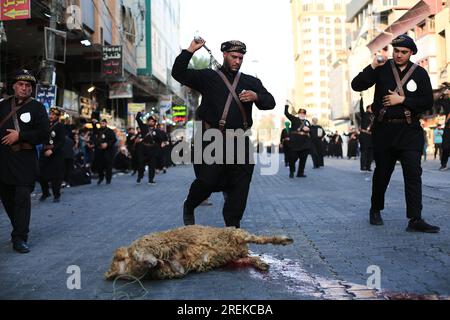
x=263, y=25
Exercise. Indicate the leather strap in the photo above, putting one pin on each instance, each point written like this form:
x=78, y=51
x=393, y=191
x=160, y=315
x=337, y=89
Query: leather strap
x=232, y=94
x=401, y=83
x=399, y=89
x=14, y=109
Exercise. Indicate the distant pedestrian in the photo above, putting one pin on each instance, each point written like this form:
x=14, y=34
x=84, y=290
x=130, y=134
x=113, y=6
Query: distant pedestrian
x=105, y=141
x=51, y=161
x=299, y=141
x=437, y=138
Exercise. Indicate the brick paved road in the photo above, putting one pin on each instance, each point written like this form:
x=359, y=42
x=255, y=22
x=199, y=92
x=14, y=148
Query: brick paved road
x=326, y=214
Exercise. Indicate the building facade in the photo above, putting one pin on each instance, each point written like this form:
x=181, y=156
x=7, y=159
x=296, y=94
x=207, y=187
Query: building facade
x=319, y=29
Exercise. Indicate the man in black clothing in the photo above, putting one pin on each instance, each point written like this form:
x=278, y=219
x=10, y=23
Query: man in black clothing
x=317, y=134
x=105, y=141
x=149, y=140
x=402, y=92
x=299, y=141
x=445, y=144
x=233, y=179
x=131, y=146
x=23, y=125
x=365, y=138
x=51, y=161
x=284, y=140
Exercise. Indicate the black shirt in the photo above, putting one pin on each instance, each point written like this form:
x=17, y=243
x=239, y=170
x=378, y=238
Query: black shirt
x=419, y=98
x=215, y=93
x=418, y=90
x=20, y=167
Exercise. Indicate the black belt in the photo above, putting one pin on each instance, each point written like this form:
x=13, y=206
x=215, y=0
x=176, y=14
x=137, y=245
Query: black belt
x=149, y=144
x=387, y=120
x=21, y=146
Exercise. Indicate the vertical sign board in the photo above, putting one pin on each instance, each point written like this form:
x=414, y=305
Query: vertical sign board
x=46, y=95
x=179, y=114
x=112, y=62
x=15, y=9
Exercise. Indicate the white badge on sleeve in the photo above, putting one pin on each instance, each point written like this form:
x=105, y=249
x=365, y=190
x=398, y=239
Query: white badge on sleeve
x=411, y=86
x=25, y=117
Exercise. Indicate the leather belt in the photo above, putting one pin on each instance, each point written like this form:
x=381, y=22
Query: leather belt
x=149, y=144
x=21, y=146
x=300, y=133
x=394, y=120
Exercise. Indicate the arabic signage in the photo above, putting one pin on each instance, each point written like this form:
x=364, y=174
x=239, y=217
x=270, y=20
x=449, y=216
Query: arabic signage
x=15, y=9
x=112, y=62
x=135, y=107
x=46, y=95
x=120, y=90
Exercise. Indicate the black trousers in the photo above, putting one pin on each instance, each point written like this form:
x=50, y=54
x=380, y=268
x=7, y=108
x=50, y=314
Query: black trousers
x=56, y=187
x=366, y=158
x=438, y=148
x=233, y=179
x=17, y=203
x=317, y=153
x=298, y=155
x=149, y=161
x=444, y=155
x=412, y=174
x=104, y=167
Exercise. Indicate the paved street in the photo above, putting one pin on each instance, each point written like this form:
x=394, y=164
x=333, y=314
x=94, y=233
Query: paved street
x=326, y=214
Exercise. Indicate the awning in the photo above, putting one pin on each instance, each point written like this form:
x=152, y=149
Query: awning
x=409, y=20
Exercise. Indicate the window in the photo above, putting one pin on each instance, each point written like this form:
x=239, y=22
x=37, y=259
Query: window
x=323, y=94
x=337, y=7
x=323, y=62
x=320, y=7
x=338, y=42
x=323, y=73
x=390, y=2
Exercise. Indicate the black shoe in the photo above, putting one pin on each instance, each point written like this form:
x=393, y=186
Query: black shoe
x=375, y=218
x=188, y=215
x=301, y=175
x=21, y=246
x=99, y=181
x=56, y=200
x=152, y=183
x=443, y=168
x=419, y=225
x=291, y=175
x=44, y=197
x=138, y=181
x=108, y=182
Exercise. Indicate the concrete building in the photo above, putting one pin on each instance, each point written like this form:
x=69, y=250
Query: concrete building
x=319, y=29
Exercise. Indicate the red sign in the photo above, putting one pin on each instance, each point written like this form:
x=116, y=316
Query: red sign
x=15, y=9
